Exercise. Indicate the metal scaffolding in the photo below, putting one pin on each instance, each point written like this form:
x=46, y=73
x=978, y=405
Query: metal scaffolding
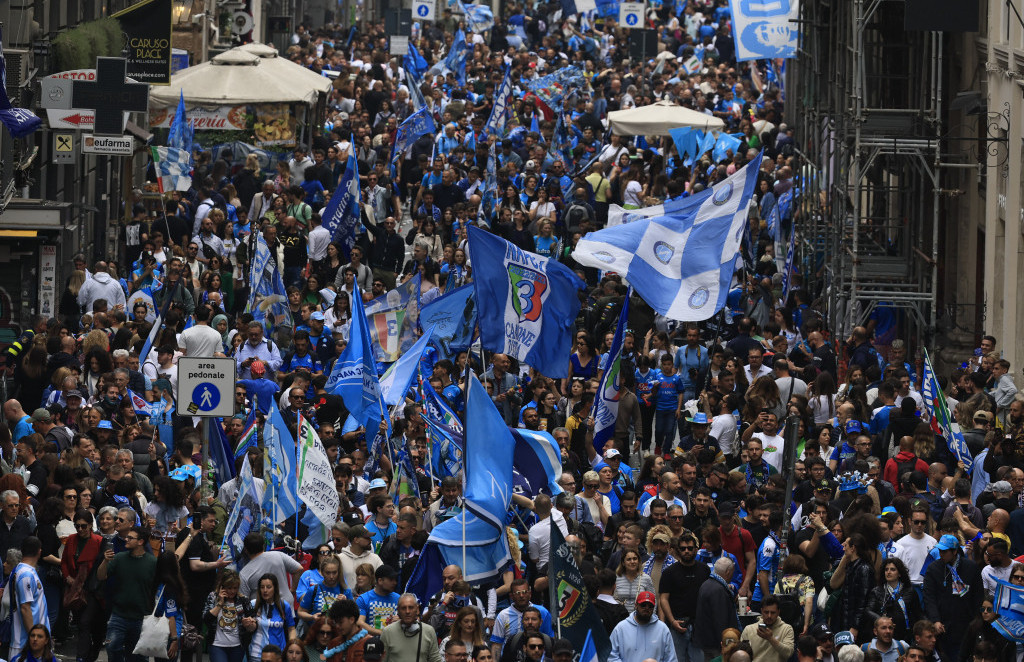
x=868, y=98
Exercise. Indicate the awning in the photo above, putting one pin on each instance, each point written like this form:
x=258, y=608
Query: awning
x=657, y=118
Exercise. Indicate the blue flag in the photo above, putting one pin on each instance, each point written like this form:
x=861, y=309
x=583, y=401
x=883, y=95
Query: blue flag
x=414, y=126
x=785, y=204
x=141, y=406
x=445, y=446
x=341, y=215
x=182, y=132
x=354, y=376
x=682, y=138
x=281, y=499
x=501, y=112
x=538, y=460
x=774, y=223
x=489, y=199
x=1009, y=605
x=606, y=403
x=221, y=454
x=682, y=263
x=438, y=408
x=19, y=121
x=787, y=270
x=395, y=382
x=527, y=304
x=553, y=88
x=723, y=143
x=414, y=62
x=480, y=527
x=453, y=317
x=246, y=514
x=455, y=60
x=268, y=300
x=158, y=323
x=479, y=18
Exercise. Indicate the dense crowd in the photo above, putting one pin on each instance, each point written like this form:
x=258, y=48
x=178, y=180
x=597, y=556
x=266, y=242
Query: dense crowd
x=890, y=549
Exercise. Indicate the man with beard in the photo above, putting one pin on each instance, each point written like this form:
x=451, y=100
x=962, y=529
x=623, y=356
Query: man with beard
x=642, y=636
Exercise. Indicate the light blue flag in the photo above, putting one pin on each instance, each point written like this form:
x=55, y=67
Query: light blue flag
x=158, y=323
x=680, y=137
x=437, y=408
x=354, y=376
x=341, y=215
x=455, y=60
x=501, y=112
x=415, y=93
x=682, y=263
x=707, y=143
x=527, y=304
x=281, y=499
x=534, y=124
x=785, y=204
x=765, y=30
x=553, y=88
x=1009, y=605
x=453, y=317
x=395, y=382
x=446, y=448
x=181, y=132
x=722, y=144
x=693, y=139
x=268, y=300
x=414, y=126
x=538, y=460
x=787, y=270
x=413, y=62
x=490, y=193
x=246, y=514
x=479, y=18
x=606, y=403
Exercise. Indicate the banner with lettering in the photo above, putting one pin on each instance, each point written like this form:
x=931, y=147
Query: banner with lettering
x=146, y=29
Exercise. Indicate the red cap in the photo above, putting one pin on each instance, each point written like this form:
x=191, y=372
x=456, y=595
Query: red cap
x=257, y=367
x=646, y=596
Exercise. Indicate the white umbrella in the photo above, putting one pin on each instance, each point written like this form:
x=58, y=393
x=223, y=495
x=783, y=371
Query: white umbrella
x=657, y=118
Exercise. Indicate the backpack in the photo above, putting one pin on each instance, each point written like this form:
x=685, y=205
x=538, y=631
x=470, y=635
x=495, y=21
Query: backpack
x=575, y=215
x=903, y=467
x=592, y=535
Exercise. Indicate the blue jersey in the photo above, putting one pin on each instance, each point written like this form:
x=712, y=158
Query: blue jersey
x=667, y=390
x=769, y=556
x=271, y=628
x=645, y=384
x=378, y=610
x=319, y=598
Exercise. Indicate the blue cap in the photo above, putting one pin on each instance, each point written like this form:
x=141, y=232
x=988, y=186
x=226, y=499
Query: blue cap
x=317, y=316
x=700, y=418
x=947, y=542
x=377, y=483
x=105, y=425
x=843, y=638
x=852, y=426
x=888, y=510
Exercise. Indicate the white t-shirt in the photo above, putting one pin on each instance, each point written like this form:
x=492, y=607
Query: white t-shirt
x=723, y=428
x=595, y=514
x=540, y=537
x=774, y=447
x=913, y=552
x=201, y=340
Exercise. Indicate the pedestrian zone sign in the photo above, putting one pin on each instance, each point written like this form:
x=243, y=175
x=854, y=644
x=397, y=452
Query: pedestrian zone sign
x=206, y=386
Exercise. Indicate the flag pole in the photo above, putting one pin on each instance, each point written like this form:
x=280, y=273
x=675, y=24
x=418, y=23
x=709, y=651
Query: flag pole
x=298, y=464
x=465, y=457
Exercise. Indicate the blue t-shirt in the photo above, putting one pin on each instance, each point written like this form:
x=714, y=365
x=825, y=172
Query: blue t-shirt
x=378, y=610
x=546, y=246
x=768, y=557
x=263, y=390
x=379, y=534
x=319, y=598
x=22, y=429
x=271, y=628
x=667, y=390
x=168, y=606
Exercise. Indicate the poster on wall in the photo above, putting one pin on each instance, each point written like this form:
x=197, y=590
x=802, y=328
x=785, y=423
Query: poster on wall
x=229, y=118
x=47, y=280
x=146, y=30
x=765, y=29
x=274, y=124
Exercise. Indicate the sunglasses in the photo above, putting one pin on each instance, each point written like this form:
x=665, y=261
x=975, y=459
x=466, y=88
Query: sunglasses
x=919, y=521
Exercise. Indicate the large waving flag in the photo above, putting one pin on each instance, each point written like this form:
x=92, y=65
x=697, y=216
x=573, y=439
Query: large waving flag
x=246, y=514
x=413, y=62
x=173, y=167
x=479, y=18
x=316, y=478
x=501, y=112
x=606, y=404
x=538, y=460
x=414, y=126
x=478, y=531
x=527, y=303
x=268, y=300
x=455, y=60
x=341, y=215
x=553, y=88
x=354, y=376
x=1009, y=605
x=181, y=132
x=393, y=318
x=395, y=382
x=280, y=500
x=942, y=422
x=453, y=317
x=682, y=263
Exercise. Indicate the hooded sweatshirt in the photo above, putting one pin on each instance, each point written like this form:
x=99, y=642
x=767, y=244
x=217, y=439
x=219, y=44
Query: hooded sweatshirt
x=632, y=641
x=349, y=563
x=101, y=286
x=890, y=475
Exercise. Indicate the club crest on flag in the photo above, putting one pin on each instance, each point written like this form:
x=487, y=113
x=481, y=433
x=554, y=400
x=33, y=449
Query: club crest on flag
x=663, y=252
x=527, y=291
x=722, y=195
x=566, y=597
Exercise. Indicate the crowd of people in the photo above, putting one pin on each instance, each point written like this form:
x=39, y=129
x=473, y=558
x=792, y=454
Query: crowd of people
x=891, y=547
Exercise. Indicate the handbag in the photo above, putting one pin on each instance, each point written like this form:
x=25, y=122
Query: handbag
x=191, y=639
x=155, y=633
x=8, y=607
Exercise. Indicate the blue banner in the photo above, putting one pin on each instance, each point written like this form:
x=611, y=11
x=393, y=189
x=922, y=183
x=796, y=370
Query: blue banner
x=765, y=30
x=606, y=402
x=341, y=215
x=354, y=376
x=453, y=317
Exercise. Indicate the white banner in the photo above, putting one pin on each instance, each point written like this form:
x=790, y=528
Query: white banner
x=317, y=488
x=765, y=29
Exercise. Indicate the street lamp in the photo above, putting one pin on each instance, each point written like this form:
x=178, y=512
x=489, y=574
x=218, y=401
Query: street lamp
x=181, y=9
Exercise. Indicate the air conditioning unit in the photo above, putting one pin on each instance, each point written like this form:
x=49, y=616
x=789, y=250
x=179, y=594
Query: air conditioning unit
x=19, y=64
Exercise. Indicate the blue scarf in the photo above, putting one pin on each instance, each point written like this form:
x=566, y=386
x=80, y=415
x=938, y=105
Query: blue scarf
x=750, y=475
x=895, y=594
x=345, y=645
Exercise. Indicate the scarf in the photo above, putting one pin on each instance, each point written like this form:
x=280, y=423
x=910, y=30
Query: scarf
x=714, y=575
x=957, y=585
x=895, y=594
x=750, y=475
x=345, y=645
x=217, y=320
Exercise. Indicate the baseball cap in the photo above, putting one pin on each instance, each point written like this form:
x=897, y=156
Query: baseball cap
x=823, y=484
x=74, y=393
x=843, y=638
x=852, y=426
x=662, y=537
x=646, y=597
x=104, y=425
x=41, y=416
x=318, y=316
x=378, y=483
x=373, y=649
x=610, y=453
x=562, y=646
x=726, y=510
x=947, y=542
x=531, y=164
x=888, y=510
x=258, y=367
x=821, y=631
x=982, y=415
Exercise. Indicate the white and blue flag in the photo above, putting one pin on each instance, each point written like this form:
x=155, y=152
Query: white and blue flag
x=1009, y=605
x=787, y=270
x=394, y=383
x=765, y=28
x=682, y=263
x=354, y=376
x=341, y=215
x=501, y=112
x=479, y=18
x=281, y=499
x=527, y=304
